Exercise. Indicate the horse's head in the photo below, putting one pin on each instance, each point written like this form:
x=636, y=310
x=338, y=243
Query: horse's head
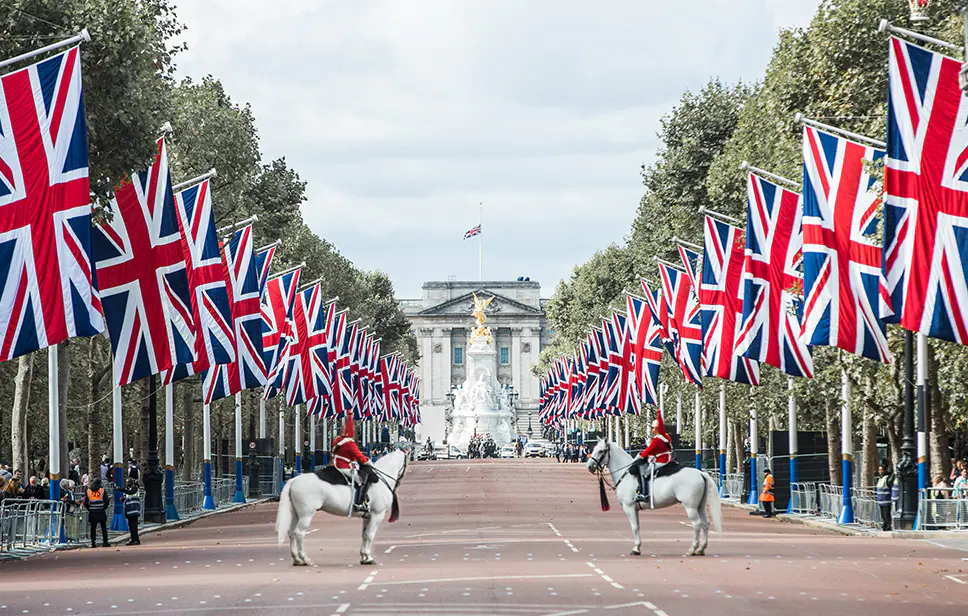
x=598, y=458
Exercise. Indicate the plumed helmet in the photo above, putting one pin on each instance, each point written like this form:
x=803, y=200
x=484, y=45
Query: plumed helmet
x=349, y=428
x=658, y=423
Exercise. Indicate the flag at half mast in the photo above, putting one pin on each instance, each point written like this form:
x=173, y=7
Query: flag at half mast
x=473, y=231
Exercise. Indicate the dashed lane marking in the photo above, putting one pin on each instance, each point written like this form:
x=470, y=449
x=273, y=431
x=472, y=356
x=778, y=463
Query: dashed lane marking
x=367, y=581
x=569, y=544
x=342, y=608
x=389, y=549
x=603, y=576
x=553, y=529
x=954, y=579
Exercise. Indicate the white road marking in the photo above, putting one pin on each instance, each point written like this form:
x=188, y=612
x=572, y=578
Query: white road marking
x=389, y=549
x=552, y=527
x=342, y=608
x=954, y=579
x=569, y=544
x=455, y=531
x=488, y=578
x=603, y=576
x=367, y=581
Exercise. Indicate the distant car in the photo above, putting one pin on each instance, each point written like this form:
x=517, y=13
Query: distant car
x=534, y=450
x=426, y=454
x=508, y=451
x=449, y=452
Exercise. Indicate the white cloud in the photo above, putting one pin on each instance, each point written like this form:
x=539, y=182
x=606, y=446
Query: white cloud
x=402, y=116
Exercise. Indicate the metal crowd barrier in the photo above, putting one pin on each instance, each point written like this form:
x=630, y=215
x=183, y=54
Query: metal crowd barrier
x=866, y=510
x=30, y=524
x=803, y=498
x=733, y=486
x=831, y=499
x=943, y=509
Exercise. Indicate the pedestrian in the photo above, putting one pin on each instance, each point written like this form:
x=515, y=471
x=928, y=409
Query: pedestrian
x=5, y=474
x=105, y=469
x=767, y=497
x=133, y=471
x=97, y=512
x=961, y=484
x=33, y=490
x=882, y=492
x=941, y=488
x=956, y=469
x=74, y=474
x=13, y=489
x=67, y=493
x=132, y=509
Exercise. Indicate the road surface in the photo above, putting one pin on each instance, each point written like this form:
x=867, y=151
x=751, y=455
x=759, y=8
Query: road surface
x=496, y=537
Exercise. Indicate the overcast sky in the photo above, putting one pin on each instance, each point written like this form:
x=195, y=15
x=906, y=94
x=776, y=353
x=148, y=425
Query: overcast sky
x=404, y=115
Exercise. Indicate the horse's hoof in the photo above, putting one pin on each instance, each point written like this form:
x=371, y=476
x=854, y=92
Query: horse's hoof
x=308, y=563
x=636, y=552
x=368, y=561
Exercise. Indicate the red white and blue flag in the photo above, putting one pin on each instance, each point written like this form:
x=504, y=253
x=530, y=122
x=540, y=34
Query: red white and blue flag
x=844, y=290
x=476, y=230
x=211, y=308
x=143, y=277
x=685, y=326
x=48, y=291
x=721, y=302
x=263, y=263
x=772, y=283
x=277, y=307
x=242, y=280
x=926, y=185
x=646, y=349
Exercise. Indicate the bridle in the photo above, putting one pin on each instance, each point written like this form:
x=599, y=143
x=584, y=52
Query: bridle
x=386, y=478
x=601, y=465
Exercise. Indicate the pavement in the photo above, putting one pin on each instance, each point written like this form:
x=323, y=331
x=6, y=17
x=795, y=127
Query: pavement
x=497, y=537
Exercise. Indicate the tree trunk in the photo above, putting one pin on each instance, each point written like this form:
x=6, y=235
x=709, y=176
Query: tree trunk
x=18, y=422
x=894, y=439
x=188, y=433
x=63, y=386
x=938, y=452
x=730, y=451
x=868, y=450
x=833, y=443
x=738, y=444
x=141, y=438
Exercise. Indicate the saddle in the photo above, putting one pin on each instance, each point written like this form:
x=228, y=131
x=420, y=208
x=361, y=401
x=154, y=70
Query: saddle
x=669, y=469
x=331, y=474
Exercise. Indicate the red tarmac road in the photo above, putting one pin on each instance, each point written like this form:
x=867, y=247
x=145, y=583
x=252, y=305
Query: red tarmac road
x=495, y=537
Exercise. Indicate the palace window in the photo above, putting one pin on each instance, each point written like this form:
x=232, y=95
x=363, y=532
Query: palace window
x=505, y=356
x=458, y=356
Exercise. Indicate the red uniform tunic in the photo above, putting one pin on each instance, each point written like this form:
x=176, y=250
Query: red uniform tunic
x=346, y=451
x=660, y=447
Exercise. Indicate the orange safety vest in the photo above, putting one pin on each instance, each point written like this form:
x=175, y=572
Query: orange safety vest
x=767, y=494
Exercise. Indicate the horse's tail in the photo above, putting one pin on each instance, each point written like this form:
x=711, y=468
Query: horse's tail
x=394, y=509
x=715, y=505
x=284, y=514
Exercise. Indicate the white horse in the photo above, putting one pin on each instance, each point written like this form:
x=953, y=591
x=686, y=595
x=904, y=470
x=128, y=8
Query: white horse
x=307, y=493
x=689, y=486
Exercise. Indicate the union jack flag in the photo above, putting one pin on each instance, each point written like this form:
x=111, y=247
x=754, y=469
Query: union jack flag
x=211, y=308
x=387, y=368
x=659, y=309
x=263, y=263
x=684, y=323
x=592, y=373
x=611, y=368
x=243, y=284
x=721, y=299
x=307, y=375
x=472, y=232
x=926, y=181
x=48, y=291
x=143, y=277
x=844, y=290
x=773, y=286
x=340, y=350
x=277, y=306
x=646, y=350
x=628, y=399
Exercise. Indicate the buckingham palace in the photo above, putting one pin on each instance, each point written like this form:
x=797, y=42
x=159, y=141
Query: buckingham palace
x=442, y=322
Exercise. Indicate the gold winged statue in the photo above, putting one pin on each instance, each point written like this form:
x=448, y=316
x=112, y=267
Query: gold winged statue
x=481, y=331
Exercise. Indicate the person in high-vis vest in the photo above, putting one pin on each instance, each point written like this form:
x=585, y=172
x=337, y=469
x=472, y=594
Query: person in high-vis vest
x=132, y=508
x=349, y=460
x=97, y=515
x=767, y=497
x=883, y=493
x=656, y=455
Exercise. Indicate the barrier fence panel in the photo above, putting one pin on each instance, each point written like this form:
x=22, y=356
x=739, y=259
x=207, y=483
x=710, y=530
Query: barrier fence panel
x=830, y=498
x=803, y=498
x=30, y=524
x=733, y=486
x=866, y=510
x=942, y=509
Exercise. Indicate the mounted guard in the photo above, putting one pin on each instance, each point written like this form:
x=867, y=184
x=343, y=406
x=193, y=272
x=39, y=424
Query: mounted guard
x=354, y=465
x=656, y=455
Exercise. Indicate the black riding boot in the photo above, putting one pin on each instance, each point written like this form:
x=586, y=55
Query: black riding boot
x=642, y=467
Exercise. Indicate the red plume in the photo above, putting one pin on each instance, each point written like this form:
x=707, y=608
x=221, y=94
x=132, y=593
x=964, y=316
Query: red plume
x=349, y=428
x=660, y=426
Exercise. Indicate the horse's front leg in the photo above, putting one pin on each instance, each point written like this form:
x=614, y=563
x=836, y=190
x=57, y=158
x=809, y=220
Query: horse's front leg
x=370, y=524
x=633, y=514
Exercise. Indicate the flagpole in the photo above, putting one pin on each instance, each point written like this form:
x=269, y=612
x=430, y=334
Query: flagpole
x=81, y=37
x=480, y=245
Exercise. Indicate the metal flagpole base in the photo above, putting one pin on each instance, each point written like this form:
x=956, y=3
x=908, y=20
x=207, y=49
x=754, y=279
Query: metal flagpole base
x=239, y=492
x=282, y=473
x=722, y=472
x=298, y=468
x=847, y=508
x=754, y=498
x=922, y=474
x=208, y=502
x=699, y=460
x=118, y=521
x=793, y=480
x=171, y=512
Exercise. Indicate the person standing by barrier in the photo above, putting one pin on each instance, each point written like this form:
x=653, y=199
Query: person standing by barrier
x=132, y=509
x=34, y=491
x=768, y=497
x=882, y=492
x=97, y=512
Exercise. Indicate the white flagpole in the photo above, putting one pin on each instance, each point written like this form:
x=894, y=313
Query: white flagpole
x=81, y=37
x=262, y=416
x=118, y=521
x=239, y=496
x=53, y=421
x=171, y=512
